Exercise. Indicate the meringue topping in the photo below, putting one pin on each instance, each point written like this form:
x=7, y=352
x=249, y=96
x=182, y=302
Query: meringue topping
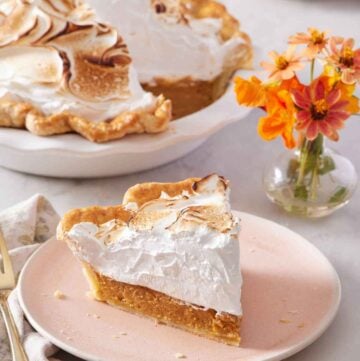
x=185, y=246
x=56, y=56
x=176, y=39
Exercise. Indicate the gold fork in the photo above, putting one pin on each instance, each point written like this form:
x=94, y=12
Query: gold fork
x=8, y=283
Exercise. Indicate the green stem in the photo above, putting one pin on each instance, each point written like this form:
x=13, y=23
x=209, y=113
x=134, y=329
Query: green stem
x=303, y=162
x=314, y=182
x=308, y=177
x=312, y=71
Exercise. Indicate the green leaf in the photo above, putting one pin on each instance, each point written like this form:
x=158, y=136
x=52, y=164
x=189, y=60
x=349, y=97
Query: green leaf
x=339, y=196
x=327, y=166
x=311, y=153
x=301, y=192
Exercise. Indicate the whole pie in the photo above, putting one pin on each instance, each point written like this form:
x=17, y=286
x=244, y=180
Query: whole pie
x=170, y=252
x=61, y=71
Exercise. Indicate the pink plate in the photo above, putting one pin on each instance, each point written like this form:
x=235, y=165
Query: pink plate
x=291, y=294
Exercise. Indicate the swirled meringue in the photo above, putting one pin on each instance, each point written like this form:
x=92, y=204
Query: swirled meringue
x=54, y=55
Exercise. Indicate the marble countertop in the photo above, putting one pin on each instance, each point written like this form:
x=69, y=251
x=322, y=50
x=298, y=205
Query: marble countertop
x=238, y=153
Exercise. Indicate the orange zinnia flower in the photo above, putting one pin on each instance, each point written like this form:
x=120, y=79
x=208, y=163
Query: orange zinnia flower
x=347, y=94
x=332, y=79
x=280, y=108
x=276, y=100
x=320, y=110
x=284, y=65
x=250, y=93
x=345, y=59
x=314, y=40
x=280, y=118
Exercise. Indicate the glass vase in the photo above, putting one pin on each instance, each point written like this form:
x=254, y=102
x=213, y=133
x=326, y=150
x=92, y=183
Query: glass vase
x=311, y=181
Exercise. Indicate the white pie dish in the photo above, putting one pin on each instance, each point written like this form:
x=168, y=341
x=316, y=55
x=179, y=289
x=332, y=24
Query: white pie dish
x=72, y=156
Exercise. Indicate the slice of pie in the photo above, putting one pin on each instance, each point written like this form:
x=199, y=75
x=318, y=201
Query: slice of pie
x=169, y=252
x=61, y=71
x=187, y=50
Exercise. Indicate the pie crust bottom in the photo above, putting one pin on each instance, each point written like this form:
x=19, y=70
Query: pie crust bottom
x=143, y=301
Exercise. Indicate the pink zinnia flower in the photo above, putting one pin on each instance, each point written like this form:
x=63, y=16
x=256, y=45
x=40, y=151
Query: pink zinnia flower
x=321, y=111
x=345, y=59
x=284, y=65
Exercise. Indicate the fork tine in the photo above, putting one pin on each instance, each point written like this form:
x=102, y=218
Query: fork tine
x=7, y=265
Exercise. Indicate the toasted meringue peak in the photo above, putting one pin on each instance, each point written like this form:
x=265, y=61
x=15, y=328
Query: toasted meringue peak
x=55, y=56
x=171, y=11
x=207, y=203
x=98, y=63
x=178, y=238
x=35, y=21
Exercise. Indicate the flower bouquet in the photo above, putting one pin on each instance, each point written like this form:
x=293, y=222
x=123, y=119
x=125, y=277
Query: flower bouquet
x=312, y=180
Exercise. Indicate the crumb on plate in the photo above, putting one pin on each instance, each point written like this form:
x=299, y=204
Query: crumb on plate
x=179, y=355
x=283, y=320
x=293, y=312
x=59, y=295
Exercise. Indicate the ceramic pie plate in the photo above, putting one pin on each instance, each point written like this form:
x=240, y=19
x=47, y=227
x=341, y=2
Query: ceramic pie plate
x=72, y=156
x=291, y=294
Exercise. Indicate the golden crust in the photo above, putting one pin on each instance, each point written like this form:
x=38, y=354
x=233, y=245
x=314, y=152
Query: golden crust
x=23, y=115
x=12, y=114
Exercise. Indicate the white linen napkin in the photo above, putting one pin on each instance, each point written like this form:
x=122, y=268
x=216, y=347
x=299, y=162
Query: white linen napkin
x=24, y=227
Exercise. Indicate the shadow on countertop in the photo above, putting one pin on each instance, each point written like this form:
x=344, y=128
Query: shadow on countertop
x=333, y=3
